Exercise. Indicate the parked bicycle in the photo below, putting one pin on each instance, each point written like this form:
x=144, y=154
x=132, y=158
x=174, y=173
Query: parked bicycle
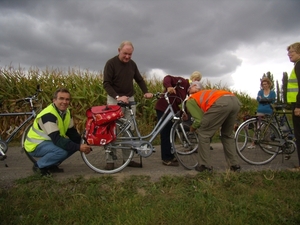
x=12, y=132
x=184, y=143
x=271, y=134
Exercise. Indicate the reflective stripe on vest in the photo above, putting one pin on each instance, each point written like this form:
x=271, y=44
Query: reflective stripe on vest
x=292, y=87
x=38, y=141
x=36, y=136
x=206, y=98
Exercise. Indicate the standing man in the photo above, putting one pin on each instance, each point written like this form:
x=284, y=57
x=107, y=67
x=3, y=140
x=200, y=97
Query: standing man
x=293, y=95
x=212, y=109
x=119, y=73
x=53, y=137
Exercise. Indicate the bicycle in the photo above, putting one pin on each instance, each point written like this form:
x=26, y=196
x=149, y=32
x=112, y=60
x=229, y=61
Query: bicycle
x=184, y=143
x=12, y=132
x=271, y=134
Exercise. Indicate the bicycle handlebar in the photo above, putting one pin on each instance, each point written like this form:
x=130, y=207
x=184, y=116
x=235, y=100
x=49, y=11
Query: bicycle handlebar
x=266, y=101
x=277, y=106
x=29, y=99
x=159, y=95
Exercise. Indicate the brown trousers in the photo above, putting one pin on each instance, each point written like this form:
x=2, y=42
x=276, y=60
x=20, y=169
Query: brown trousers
x=223, y=113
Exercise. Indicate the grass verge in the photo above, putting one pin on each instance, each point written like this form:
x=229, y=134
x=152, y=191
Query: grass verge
x=265, y=197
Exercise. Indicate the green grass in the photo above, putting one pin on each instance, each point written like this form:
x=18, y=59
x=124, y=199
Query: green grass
x=265, y=197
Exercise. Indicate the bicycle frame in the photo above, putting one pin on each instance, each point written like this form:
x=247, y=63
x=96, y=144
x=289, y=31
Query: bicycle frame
x=279, y=119
x=168, y=115
x=17, y=129
x=32, y=114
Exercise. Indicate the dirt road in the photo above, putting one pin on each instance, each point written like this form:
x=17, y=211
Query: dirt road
x=19, y=166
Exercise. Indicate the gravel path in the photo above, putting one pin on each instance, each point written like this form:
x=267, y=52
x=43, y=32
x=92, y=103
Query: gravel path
x=19, y=166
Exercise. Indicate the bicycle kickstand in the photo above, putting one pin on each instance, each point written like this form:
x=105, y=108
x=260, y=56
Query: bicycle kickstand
x=141, y=161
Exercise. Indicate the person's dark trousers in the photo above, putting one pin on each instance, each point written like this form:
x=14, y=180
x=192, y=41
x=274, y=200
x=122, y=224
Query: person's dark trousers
x=296, y=124
x=165, y=144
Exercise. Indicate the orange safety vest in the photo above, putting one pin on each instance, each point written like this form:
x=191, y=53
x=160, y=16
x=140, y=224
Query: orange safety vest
x=206, y=98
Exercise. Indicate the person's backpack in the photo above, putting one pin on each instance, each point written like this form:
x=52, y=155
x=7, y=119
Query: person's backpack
x=100, y=127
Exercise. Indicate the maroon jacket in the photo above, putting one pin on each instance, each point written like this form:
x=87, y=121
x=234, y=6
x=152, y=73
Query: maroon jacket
x=170, y=81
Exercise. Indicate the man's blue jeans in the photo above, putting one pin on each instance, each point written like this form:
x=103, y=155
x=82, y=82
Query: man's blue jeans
x=50, y=154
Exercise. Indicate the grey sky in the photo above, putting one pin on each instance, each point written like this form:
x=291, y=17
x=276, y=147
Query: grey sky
x=174, y=36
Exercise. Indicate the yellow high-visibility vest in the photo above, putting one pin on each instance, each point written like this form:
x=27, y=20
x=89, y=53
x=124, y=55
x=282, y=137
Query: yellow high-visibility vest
x=36, y=136
x=292, y=87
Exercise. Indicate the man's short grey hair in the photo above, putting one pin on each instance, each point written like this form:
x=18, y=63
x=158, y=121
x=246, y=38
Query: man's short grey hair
x=125, y=43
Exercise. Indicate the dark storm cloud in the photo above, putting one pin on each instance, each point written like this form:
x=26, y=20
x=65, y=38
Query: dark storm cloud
x=175, y=36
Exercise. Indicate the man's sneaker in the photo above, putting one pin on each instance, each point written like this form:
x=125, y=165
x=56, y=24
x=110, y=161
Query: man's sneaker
x=171, y=162
x=235, y=168
x=203, y=168
x=42, y=171
x=109, y=166
x=134, y=164
x=55, y=169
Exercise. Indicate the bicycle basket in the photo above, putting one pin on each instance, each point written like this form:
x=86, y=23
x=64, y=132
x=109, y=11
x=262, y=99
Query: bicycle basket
x=104, y=114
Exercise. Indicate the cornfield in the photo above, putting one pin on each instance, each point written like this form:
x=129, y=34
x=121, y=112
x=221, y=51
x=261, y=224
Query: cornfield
x=86, y=90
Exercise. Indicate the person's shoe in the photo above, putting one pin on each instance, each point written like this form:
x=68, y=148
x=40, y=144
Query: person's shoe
x=171, y=162
x=134, y=164
x=109, y=166
x=174, y=160
x=55, y=169
x=203, y=168
x=235, y=168
x=42, y=171
x=211, y=148
x=251, y=146
x=269, y=147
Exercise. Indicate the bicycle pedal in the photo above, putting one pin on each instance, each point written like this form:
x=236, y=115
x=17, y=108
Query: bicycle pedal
x=287, y=157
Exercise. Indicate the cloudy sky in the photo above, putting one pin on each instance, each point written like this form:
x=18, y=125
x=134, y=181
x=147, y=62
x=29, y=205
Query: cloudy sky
x=232, y=42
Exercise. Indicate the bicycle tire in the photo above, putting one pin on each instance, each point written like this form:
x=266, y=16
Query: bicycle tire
x=31, y=158
x=250, y=132
x=97, y=158
x=184, y=145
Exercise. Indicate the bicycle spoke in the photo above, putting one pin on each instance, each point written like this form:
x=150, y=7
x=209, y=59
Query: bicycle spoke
x=185, y=145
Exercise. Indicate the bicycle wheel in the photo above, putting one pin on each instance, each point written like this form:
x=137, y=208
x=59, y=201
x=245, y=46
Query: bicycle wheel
x=103, y=159
x=260, y=133
x=184, y=144
x=24, y=135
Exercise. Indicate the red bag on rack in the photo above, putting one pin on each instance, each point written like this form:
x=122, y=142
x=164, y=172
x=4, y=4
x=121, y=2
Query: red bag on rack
x=100, y=127
x=104, y=113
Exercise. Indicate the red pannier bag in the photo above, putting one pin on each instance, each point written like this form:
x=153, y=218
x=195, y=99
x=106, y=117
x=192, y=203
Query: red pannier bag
x=104, y=113
x=100, y=127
